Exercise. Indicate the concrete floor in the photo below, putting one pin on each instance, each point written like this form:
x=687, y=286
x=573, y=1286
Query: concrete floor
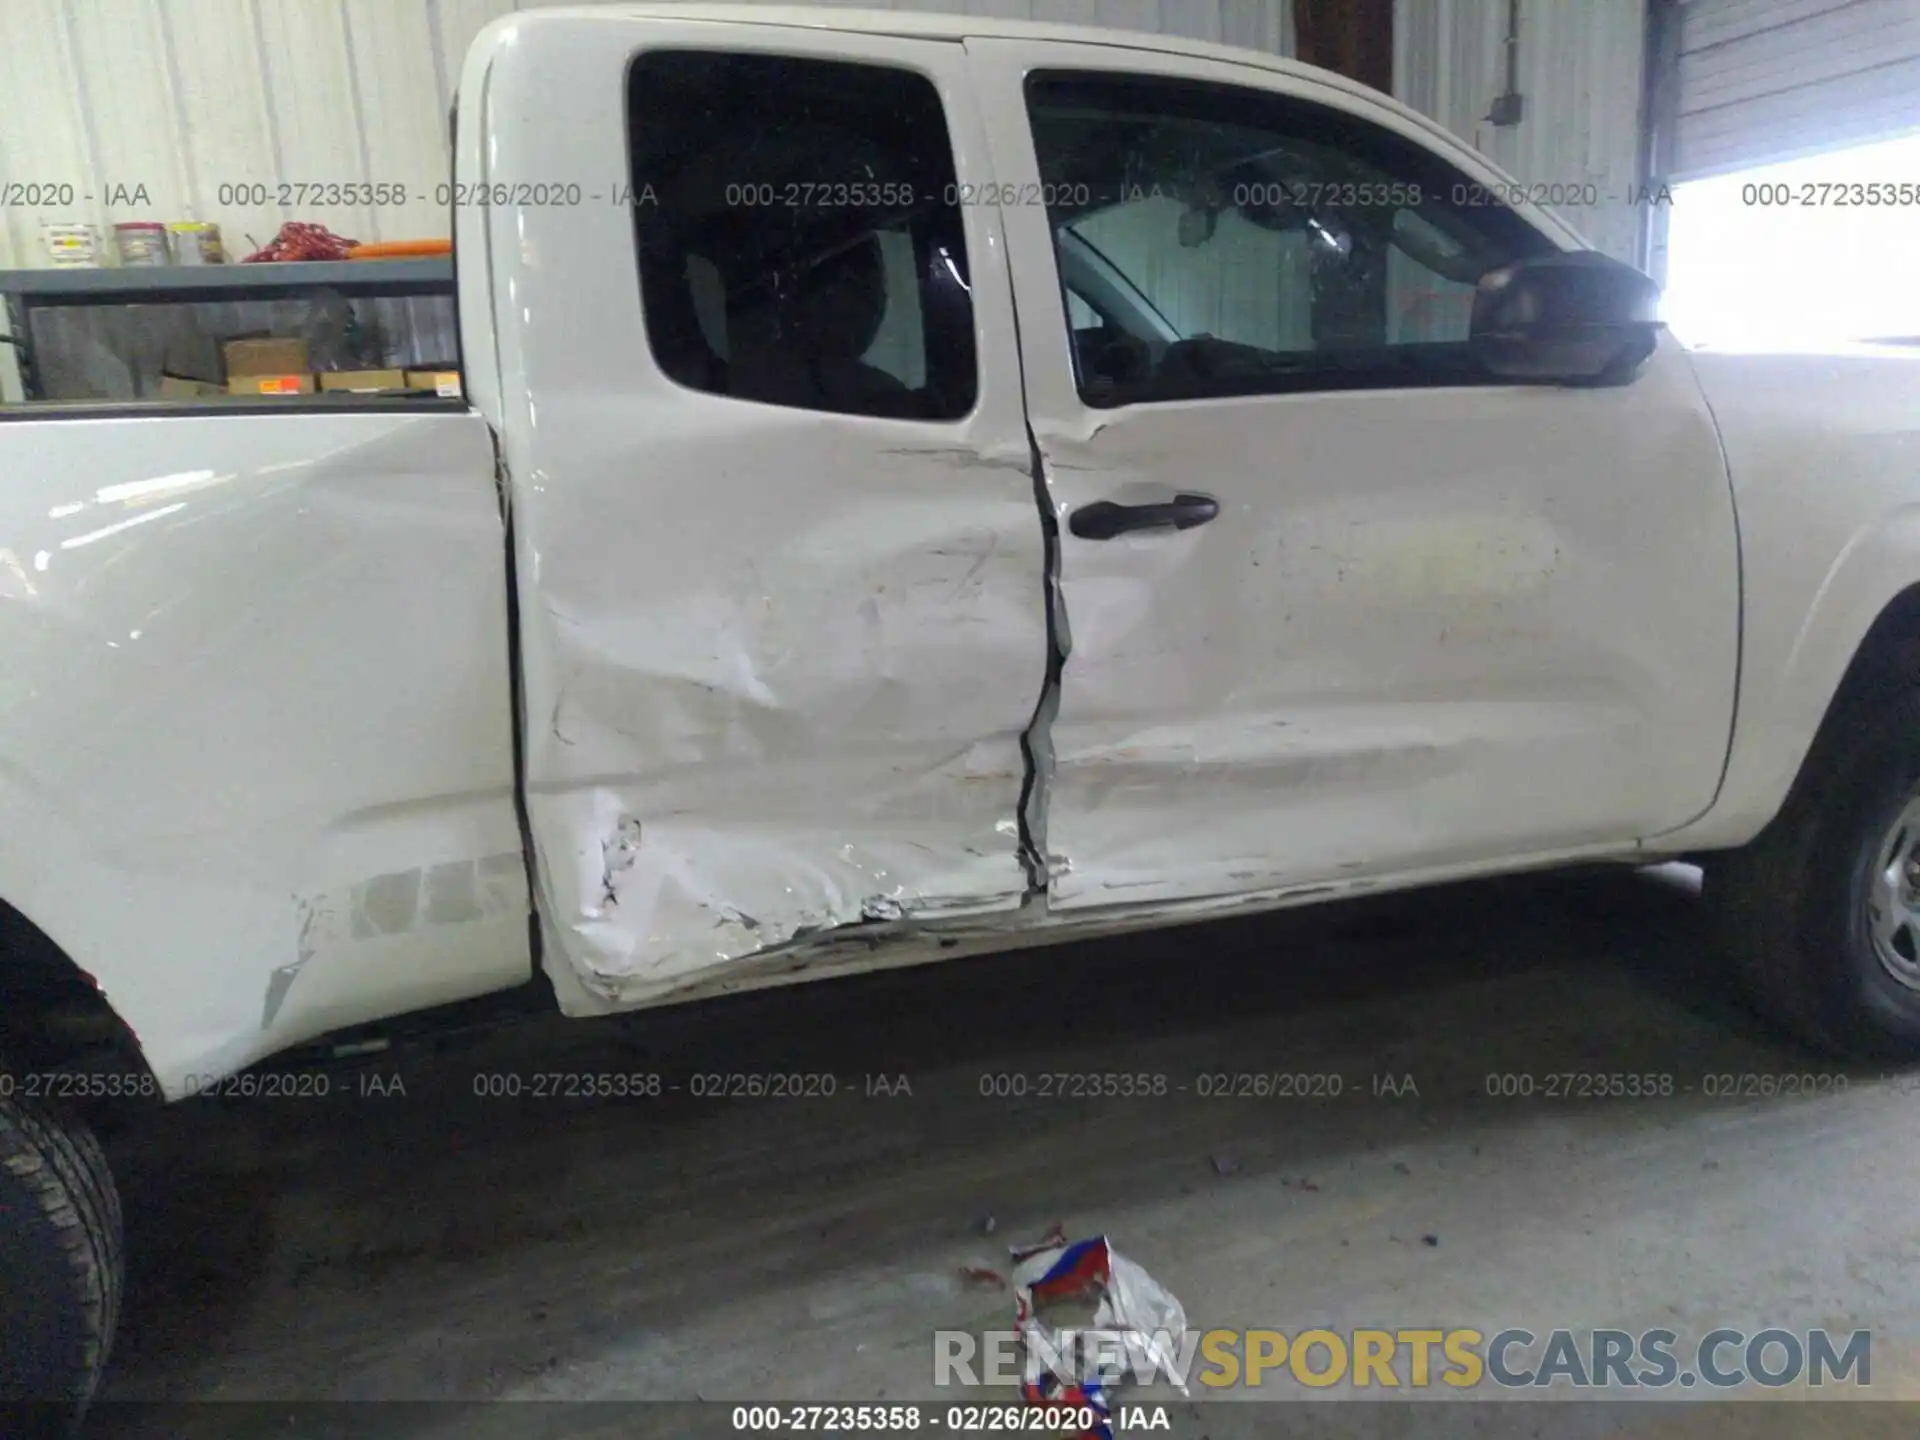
x=441, y=1246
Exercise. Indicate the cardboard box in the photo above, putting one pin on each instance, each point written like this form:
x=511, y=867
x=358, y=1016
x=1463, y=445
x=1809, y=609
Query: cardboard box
x=264, y=357
x=363, y=380
x=179, y=387
x=301, y=384
x=441, y=382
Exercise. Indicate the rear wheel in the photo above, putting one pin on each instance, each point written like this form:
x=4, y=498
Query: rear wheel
x=1822, y=911
x=60, y=1269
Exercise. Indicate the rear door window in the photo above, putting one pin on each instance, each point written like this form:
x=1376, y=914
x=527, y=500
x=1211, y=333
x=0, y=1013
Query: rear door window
x=799, y=233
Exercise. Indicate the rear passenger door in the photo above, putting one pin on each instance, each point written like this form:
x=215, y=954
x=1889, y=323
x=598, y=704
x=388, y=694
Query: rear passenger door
x=780, y=568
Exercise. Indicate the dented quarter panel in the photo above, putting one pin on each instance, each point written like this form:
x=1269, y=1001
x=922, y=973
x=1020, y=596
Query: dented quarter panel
x=1429, y=627
x=777, y=663
x=255, y=746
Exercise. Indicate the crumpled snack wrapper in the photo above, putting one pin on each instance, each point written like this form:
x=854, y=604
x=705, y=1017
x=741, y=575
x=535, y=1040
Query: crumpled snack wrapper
x=1127, y=1302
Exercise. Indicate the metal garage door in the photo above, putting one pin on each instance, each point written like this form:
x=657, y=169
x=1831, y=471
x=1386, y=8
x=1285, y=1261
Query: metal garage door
x=1767, y=80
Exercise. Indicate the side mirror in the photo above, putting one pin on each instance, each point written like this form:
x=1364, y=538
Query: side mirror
x=1579, y=318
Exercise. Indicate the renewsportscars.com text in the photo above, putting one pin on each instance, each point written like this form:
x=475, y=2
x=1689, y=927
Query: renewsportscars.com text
x=1418, y=1358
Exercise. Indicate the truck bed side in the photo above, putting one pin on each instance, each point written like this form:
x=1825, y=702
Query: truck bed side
x=256, y=771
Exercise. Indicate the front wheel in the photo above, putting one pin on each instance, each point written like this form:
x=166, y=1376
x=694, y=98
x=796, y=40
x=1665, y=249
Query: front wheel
x=1821, y=913
x=60, y=1269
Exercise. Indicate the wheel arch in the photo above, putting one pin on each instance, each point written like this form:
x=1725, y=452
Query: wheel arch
x=54, y=1015
x=1889, y=651
x=1887, y=656
x=1784, y=728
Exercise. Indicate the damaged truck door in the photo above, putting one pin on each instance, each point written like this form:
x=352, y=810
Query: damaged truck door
x=779, y=565
x=1336, y=602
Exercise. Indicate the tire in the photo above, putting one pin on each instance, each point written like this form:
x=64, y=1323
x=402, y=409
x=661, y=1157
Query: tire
x=60, y=1269
x=1792, y=908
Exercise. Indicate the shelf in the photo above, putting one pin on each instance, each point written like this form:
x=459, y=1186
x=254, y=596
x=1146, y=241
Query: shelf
x=185, y=284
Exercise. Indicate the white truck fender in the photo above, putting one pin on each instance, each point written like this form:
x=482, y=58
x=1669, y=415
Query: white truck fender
x=1824, y=458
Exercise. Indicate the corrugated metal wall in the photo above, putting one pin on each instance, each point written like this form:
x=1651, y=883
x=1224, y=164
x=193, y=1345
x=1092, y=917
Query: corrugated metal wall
x=1762, y=81
x=183, y=97
x=190, y=98
x=1579, y=73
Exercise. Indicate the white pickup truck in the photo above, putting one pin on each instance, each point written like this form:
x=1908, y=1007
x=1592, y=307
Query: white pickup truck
x=929, y=485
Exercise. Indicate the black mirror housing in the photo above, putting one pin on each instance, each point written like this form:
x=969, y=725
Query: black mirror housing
x=1578, y=318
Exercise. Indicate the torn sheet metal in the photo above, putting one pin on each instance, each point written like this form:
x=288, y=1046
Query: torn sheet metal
x=1132, y=1329
x=767, y=713
x=662, y=905
x=777, y=658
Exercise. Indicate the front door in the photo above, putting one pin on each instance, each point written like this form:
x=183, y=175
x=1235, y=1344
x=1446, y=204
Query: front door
x=780, y=570
x=1335, y=606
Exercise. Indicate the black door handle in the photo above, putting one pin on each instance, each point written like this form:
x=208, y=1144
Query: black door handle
x=1104, y=519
